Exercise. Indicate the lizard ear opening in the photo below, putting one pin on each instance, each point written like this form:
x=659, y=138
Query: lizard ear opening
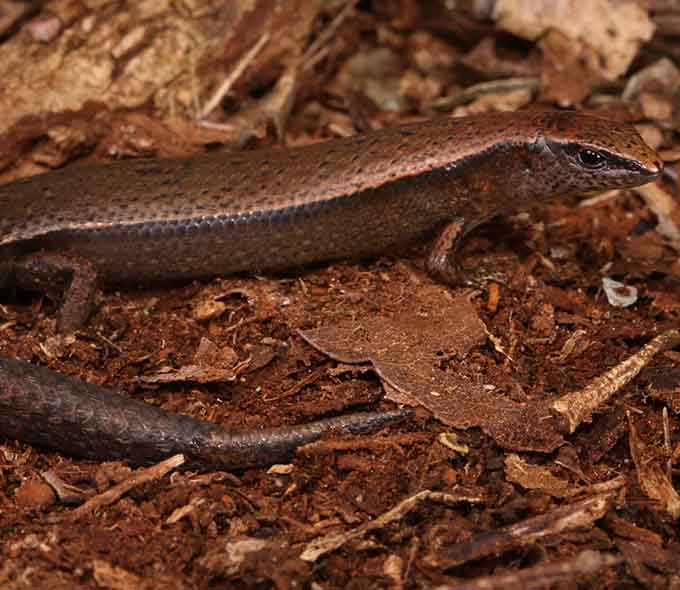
x=539, y=145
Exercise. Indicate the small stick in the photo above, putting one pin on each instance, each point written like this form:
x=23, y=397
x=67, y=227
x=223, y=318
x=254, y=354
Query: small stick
x=578, y=406
x=225, y=87
x=540, y=576
x=325, y=447
x=523, y=533
x=323, y=545
x=314, y=52
x=139, y=477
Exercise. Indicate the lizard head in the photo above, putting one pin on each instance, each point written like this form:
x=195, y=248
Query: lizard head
x=592, y=154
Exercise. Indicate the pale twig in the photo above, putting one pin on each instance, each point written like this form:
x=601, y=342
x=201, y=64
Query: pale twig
x=578, y=406
x=323, y=545
x=139, y=477
x=236, y=73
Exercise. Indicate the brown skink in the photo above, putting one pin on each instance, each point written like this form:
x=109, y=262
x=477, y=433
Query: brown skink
x=215, y=214
x=220, y=213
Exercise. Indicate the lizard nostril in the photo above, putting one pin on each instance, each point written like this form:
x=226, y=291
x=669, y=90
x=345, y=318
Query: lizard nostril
x=657, y=167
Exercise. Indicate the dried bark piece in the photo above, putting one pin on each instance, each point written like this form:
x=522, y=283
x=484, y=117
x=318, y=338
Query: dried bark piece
x=663, y=75
x=409, y=348
x=35, y=495
x=667, y=211
x=567, y=77
x=110, y=577
x=486, y=60
x=631, y=532
x=228, y=554
x=645, y=560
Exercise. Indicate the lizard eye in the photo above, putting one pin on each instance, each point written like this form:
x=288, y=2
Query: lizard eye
x=591, y=159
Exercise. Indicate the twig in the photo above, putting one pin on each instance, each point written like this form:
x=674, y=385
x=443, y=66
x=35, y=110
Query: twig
x=324, y=447
x=523, y=533
x=492, y=87
x=236, y=73
x=323, y=545
x=578, y=406
x=541, y=576
x=314, y=52
x=139, y=477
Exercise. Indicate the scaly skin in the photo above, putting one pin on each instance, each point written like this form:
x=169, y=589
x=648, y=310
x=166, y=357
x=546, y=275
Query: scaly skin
x=143, y=221
x=48, y=409
x=215, y=214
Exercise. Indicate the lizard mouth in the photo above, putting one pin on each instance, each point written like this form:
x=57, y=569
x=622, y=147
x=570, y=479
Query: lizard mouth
x=650, y=169
x=654, y=170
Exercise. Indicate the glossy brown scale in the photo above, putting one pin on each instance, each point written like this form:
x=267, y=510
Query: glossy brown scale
x=217, y=214
x=268, y=210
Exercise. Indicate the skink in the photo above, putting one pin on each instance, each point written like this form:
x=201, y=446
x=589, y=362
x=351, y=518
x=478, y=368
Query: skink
x=215, y=214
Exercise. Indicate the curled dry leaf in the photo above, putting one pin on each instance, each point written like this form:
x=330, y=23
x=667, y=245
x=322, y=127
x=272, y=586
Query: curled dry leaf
x=613, y=29
x=662, y=74
x=143, y=52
